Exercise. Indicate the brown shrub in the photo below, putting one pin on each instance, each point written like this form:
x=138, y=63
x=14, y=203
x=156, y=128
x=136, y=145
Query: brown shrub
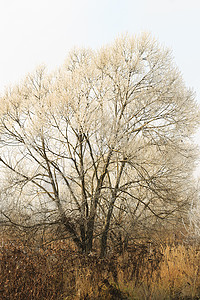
x=57, y=271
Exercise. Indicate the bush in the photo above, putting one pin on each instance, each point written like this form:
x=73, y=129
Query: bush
x=57, y=271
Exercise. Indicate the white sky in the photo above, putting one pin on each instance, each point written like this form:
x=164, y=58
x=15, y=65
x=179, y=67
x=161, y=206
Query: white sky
x=43, y=31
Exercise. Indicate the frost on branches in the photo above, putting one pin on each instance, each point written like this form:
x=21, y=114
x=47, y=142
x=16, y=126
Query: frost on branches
x=101, y=147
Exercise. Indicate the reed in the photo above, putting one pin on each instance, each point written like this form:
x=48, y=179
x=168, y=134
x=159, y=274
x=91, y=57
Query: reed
x=58, y=271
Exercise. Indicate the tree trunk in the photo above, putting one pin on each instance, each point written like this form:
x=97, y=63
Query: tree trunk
x=104, y=236
x=89, y=235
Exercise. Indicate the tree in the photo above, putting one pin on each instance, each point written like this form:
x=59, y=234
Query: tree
x=102, y=141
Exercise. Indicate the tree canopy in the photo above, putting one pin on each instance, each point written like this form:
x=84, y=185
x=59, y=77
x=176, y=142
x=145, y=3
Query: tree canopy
x=102, y=143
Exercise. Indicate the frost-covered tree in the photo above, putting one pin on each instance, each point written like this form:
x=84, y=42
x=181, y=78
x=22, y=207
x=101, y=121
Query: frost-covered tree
x=102, y=141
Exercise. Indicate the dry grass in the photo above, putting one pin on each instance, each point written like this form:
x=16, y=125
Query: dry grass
x=177, y=277
x=59, y=272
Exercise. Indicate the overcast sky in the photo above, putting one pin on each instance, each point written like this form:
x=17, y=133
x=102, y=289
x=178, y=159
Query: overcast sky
x=43, y=31
x=33, y=32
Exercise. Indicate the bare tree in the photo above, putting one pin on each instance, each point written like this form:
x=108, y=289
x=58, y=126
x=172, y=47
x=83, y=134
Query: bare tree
x=105, y=137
